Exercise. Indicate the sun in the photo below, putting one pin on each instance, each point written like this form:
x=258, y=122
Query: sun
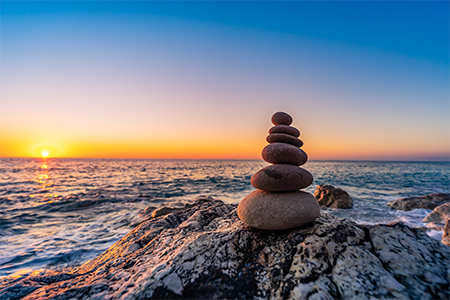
x=44, y=153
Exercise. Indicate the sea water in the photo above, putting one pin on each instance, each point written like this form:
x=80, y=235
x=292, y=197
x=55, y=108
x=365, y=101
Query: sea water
x=58, y=213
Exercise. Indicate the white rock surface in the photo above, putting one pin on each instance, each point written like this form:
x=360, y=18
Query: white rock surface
x=206, y=252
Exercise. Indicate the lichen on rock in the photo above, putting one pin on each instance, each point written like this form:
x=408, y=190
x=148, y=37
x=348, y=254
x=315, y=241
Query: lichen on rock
x=206, y=252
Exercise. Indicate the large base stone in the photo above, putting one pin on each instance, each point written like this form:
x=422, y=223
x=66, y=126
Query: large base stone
x=278, y=211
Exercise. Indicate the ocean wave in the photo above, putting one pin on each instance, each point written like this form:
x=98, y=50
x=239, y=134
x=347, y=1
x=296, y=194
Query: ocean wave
x=73, y=209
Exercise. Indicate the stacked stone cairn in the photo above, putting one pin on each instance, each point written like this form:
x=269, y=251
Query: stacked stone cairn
x=277, y=203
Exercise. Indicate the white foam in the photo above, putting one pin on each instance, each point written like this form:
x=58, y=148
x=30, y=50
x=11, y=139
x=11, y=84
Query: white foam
x=435, y=234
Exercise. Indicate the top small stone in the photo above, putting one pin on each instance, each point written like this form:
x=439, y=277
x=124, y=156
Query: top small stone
x=281, y=118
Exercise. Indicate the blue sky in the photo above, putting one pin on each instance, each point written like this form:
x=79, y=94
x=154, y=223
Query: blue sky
x=365, y=80
x=416, y=29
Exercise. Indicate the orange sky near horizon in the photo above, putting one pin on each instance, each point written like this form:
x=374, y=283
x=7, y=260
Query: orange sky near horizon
x=326, y=145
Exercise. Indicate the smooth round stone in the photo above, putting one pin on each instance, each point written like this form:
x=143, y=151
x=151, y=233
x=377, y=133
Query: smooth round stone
x=285, y=129
x=284, y=138
x=282, y=153
x=281, y=178
x=281, y=118
x=277, y=211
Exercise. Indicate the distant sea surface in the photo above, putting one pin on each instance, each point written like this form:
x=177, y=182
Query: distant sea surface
x=62, y=212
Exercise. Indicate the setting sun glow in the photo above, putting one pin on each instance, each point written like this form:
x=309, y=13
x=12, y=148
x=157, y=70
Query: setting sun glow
x=44, y=153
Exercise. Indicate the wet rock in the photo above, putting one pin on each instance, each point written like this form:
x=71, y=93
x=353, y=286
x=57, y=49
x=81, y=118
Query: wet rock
x=430, y=201
x=147, y=211
x=333, y=197
x=281, y=118
x=153, y=212
x=446, y=234
x=281, y=178
x=284, y=138
x=206, y=252
x=281, y=153
x=278, y=211
x=285, y=129
x=162, y=211
x=439, y=215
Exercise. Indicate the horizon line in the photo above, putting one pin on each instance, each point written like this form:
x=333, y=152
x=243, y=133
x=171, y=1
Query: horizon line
x=431, y=159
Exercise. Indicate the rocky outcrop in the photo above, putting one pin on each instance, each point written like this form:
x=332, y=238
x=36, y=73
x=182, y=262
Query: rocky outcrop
x=330, y=196
x=440, y=214
x=430, y=201
x=206, y=252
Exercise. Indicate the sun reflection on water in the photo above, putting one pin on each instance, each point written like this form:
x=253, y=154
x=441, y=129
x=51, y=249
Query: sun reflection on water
x=45, y=183
x=27, y=271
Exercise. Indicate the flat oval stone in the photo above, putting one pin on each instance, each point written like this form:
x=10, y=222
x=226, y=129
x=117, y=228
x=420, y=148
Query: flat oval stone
x=278, y=211
x=284, y=138
x=284, y=129
x=281, y=118
x=282, y=153
x=281, y=178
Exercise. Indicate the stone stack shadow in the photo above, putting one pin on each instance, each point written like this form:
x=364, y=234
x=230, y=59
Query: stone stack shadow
x=277, y=203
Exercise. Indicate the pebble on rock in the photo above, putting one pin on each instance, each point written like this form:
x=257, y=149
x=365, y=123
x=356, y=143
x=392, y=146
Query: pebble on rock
x=284, y=138
x=281, y=118
x=281, y=178
x=285, y=129
x=278, y=211
x=282, y=153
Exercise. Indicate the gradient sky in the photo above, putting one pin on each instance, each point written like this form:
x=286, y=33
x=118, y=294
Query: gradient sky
x=147, y=79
